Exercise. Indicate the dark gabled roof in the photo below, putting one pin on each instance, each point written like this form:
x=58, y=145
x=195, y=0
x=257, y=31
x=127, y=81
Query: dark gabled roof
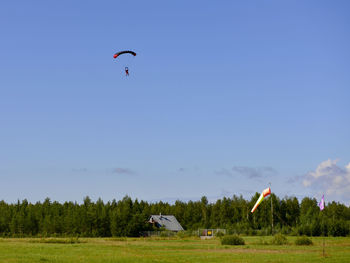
x=167, y=221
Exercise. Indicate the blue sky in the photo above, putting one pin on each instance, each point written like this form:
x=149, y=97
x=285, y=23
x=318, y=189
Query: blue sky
x=223, y=97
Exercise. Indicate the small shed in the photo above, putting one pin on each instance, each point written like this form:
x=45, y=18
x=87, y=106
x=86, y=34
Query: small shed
x=169, y=222
x=210, y=233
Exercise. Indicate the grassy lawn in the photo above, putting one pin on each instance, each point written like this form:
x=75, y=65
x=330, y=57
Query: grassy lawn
x=169, y=250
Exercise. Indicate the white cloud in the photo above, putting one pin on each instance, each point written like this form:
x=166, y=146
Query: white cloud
x=124, y=171
x=331, y=179
x=253, y=172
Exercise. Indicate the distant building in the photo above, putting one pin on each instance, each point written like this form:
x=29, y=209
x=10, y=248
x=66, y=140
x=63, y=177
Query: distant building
x=169, y=222
x=210, y=233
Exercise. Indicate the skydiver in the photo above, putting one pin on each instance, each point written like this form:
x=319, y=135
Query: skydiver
x=126, y=71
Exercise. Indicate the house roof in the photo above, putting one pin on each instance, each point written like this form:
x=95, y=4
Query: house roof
x=169, y=222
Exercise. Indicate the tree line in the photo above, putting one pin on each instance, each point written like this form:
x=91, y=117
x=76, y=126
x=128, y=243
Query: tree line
x=129, y=217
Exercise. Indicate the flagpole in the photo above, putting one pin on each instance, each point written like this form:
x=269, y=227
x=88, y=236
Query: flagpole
x=323, y=247
x=271, y=213
x=321, y=205
x=323, y=254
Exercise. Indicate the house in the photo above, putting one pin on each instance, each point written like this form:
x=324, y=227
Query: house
x=169, y=222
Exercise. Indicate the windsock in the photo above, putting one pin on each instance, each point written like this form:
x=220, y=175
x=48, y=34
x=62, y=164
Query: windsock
x=264, y=193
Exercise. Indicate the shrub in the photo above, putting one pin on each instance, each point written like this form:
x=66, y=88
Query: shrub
x=116, y=239
x=262, y=241
x=304, y=230
x=251, y=232
x=72, y=240
x=285, y=230
x=166, y=234
x=279, y=239
x=186, y=234
x=339, y=228
x=294, y=232
x=264, y=232
x=303, y=241
x=316, y=228
x=220, y=234
x=232, y=240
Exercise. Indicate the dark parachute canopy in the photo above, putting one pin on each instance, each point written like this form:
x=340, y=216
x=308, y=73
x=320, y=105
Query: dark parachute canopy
x=124, y=52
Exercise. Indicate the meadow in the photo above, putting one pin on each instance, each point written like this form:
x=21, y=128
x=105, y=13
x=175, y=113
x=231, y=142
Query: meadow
x=110, y=250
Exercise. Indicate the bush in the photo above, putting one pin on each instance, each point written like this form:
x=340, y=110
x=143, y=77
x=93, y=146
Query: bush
x=294, y=232
x=72, y=240
x=186, y=234
x=303, y=241
x=166, y=233
x=181, y=234
x=339, y=228
x=316, y=228
x=262, y=241
x=232, y=240
x=304, y=230
x=116, y=239
x=220, y=234
x=279, y=239
x=264, y=232
x=285, y=230
x=251, y=232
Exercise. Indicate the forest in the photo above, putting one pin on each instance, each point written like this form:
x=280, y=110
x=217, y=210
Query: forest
x=128, y=217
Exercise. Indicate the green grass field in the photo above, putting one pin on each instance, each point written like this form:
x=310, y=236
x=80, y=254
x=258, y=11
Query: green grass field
x=169, y=250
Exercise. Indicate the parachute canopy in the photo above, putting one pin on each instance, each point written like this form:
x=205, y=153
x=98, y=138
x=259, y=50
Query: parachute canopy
x=124, y=52
x=264, y=193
